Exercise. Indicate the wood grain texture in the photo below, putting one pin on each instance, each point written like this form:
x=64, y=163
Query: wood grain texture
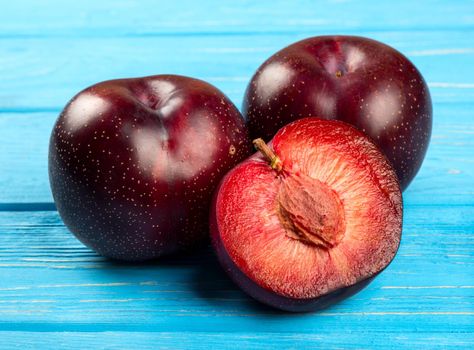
x=42, y=74
x=54, y=292
x=185, y=17
x=50, y=282
x=236, y=340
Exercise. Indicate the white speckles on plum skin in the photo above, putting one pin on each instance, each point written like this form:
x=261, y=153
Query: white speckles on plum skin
x=118, y=181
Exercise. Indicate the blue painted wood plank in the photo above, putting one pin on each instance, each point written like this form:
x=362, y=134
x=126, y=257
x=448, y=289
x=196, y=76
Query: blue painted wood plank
x=447, y=175
x=24, y=157
x=116, y=18
x=47, y=85
x=43, y=74
x=236, y=340
x=50, y=282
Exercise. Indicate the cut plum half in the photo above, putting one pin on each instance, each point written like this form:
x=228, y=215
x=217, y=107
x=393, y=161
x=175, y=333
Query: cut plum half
x=310, y=219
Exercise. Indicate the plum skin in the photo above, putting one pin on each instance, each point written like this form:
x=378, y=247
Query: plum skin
x=354, y=79
x=133, y=163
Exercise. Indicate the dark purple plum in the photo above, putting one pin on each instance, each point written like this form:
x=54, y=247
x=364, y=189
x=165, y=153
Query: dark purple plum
x=357, y=80
x=133, y=163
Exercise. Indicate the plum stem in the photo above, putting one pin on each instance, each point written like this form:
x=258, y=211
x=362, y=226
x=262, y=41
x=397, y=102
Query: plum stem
x=270, y=156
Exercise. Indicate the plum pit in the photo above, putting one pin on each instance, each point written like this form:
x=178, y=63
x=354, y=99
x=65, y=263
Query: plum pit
x=310, y=211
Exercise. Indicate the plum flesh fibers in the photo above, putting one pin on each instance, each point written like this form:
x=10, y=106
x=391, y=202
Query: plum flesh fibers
x=310, y=219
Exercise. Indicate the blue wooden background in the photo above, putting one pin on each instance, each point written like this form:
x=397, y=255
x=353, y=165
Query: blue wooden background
x=55, y=293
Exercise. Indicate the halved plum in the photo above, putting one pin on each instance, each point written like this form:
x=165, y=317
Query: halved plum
x=310, y=219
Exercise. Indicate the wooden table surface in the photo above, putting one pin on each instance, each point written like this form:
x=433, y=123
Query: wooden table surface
x=55, y=293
